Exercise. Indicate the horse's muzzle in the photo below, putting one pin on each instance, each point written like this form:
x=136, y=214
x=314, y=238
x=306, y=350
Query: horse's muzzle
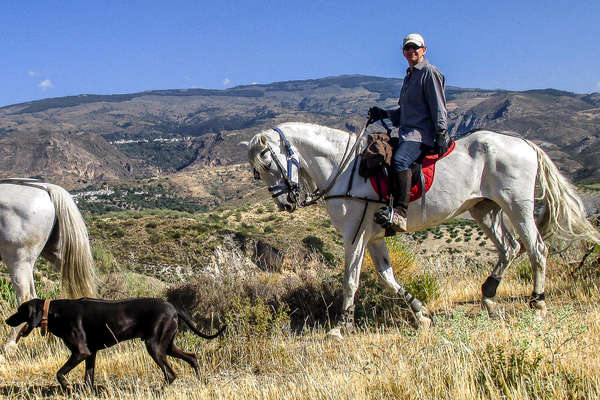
x=289, y=207
x=284, y=204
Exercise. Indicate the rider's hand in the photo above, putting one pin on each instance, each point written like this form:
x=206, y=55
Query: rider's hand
x=442, y=143
x=376, y=114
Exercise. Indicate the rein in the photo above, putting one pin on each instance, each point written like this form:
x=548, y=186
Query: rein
x=290, y=183
x=343, y=164
x=291, y=186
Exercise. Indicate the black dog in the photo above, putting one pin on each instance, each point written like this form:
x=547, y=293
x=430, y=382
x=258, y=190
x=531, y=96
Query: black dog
x=88, y=325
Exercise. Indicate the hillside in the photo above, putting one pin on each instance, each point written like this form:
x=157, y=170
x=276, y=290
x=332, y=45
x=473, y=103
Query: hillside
x=93, y=139
x=245, y=267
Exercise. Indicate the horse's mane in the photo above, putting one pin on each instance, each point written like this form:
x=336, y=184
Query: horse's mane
x=255, y=146
x=254, y=150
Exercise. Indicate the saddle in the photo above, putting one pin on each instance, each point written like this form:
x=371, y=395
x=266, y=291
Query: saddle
x=377, y=157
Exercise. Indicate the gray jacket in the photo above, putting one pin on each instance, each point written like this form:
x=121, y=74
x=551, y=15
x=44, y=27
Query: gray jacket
x=422, y=102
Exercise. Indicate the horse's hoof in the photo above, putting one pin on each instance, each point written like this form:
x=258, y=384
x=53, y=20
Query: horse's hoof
x=423, y=319
x=423, y=322
x=335, y=333
x=539, y=308
x=491, y=307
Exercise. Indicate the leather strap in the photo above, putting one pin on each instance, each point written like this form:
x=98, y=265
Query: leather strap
x=44, y=323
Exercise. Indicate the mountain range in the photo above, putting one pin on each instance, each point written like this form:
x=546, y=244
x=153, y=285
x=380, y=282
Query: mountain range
x=94, y=139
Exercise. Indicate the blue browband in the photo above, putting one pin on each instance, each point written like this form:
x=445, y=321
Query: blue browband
x=291, y=160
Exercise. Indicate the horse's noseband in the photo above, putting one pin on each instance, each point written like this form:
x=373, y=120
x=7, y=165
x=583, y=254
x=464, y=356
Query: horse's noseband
x=289, y=183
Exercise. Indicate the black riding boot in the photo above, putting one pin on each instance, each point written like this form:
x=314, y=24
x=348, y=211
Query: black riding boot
x=400, y=188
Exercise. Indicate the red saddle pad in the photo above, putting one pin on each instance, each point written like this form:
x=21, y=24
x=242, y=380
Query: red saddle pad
x=381, y=186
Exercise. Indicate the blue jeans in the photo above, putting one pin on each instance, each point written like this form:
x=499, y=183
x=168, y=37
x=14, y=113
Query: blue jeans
x=405, y=154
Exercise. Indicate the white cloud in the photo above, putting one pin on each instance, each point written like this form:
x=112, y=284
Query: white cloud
x=32, y=73
x=46, y=84
x=226, y=81
x=598, y=84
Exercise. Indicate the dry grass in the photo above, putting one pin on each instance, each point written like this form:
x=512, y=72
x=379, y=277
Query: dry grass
x=464, y=356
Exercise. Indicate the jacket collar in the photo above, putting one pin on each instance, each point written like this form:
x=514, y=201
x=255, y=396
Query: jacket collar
x=419, y=66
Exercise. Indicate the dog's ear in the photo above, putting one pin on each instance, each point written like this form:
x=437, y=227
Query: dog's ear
x=36, y=311
x=29, y=312
x=16, y=319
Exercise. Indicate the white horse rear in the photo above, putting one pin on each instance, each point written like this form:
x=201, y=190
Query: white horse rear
x=41, y=218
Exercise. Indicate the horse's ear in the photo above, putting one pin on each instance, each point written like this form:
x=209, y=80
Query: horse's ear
x=262, y=140
x=244, y=143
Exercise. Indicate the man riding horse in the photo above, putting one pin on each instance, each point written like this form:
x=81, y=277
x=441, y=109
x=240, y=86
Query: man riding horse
x=422, y=122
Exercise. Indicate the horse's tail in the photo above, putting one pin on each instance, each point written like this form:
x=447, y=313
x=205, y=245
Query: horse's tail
x=564, y=213
x=76, y=261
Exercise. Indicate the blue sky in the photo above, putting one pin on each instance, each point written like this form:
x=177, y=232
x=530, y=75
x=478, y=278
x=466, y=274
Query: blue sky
x=60, y=48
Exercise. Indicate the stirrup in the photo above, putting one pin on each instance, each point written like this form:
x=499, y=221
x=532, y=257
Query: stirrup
x=389, y=218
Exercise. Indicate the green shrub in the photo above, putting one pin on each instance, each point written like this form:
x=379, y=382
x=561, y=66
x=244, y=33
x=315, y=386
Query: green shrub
x=118, y=232
x=7, y=293
x=155, y=238
x=316, y=245
x=510, y=370
x=103, y=258
x=175, y=234
x=523, y=269
x=151, y=225
x=254, y=318
x=424, y=287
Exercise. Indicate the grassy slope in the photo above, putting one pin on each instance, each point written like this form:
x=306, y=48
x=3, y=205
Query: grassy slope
x=465, y=355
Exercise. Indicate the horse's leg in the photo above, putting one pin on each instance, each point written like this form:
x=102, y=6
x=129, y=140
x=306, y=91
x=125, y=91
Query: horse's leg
x=521, y=216
x=489, y=216
x=20, y=267
x=354, y=253
x=381, y=258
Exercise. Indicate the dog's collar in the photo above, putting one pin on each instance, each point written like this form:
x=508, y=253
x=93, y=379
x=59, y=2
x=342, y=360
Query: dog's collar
x=44, y=323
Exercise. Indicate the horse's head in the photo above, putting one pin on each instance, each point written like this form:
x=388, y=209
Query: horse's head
x=276, y=169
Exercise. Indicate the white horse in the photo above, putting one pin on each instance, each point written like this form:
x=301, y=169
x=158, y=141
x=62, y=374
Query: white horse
x=41, y=218
x=487, y=174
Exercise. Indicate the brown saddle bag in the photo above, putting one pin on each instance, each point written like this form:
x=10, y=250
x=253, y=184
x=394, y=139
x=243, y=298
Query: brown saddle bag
x=377, y=156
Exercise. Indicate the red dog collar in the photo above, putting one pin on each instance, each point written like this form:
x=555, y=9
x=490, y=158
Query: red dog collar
x=44, y=323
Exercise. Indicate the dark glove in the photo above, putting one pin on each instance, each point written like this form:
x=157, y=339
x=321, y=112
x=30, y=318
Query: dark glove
x=442, y=143
x=376, y=114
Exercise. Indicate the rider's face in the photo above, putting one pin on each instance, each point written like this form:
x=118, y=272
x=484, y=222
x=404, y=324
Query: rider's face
x=414, y=54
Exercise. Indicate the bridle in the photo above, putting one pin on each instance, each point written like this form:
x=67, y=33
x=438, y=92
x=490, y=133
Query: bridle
x=289, y=184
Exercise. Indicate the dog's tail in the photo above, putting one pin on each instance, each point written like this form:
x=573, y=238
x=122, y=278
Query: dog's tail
x=189, y=323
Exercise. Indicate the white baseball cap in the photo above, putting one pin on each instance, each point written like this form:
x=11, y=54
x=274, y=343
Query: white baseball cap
x=415, y=39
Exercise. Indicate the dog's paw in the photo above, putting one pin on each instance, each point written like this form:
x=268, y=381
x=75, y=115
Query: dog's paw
x=336, y=334
x=8, y=348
